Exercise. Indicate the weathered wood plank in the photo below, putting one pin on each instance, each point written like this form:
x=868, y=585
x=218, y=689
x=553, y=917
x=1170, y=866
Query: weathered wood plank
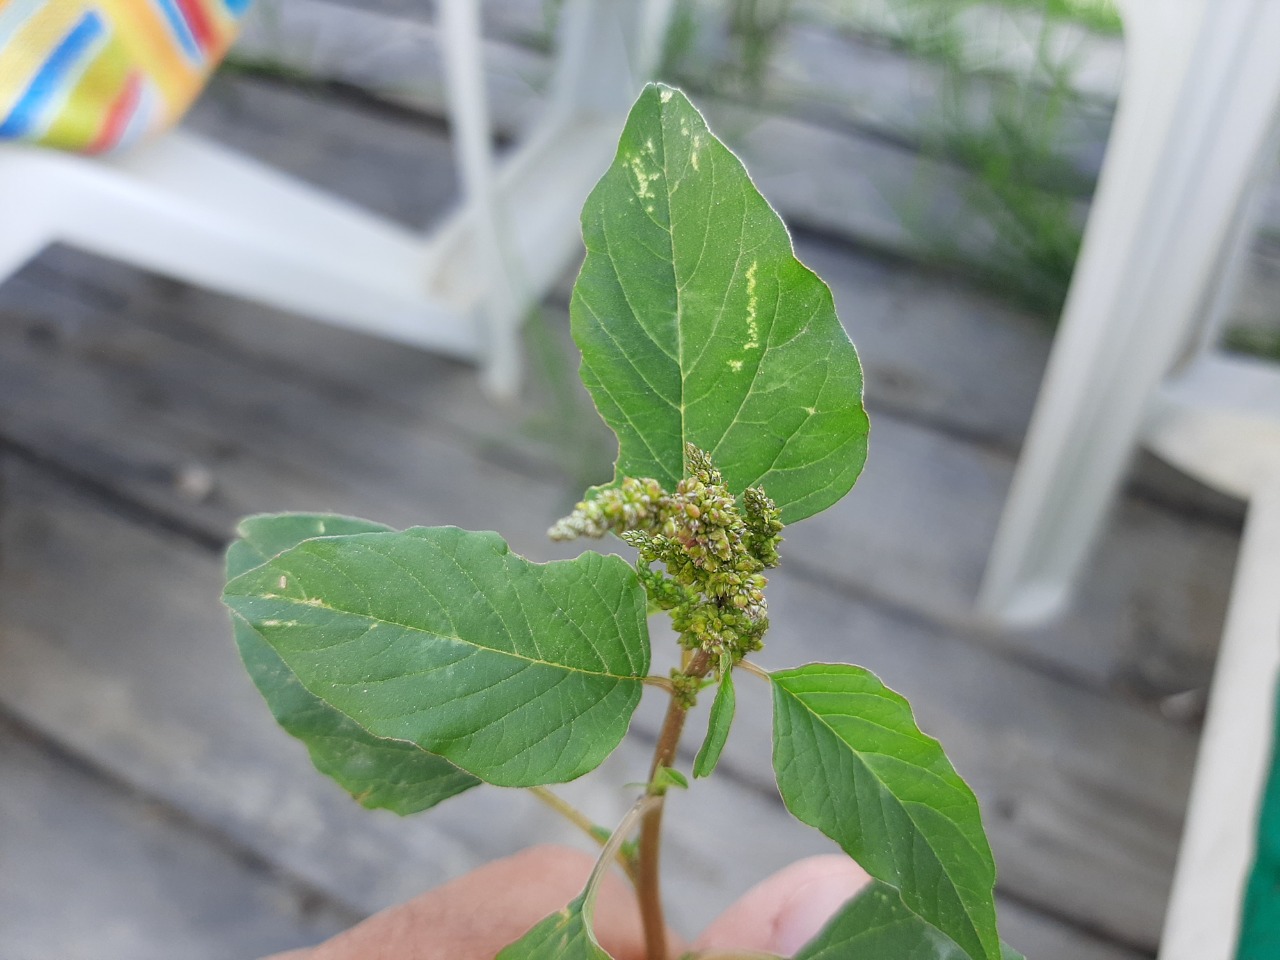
x=94, y=870
x=153, y=690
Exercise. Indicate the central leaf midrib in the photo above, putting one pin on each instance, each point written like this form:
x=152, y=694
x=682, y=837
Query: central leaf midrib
x=314, y=605
x=676, y=284
x=884, y=789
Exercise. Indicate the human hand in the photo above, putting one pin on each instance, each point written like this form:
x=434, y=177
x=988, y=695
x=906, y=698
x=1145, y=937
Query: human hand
x=475, y=916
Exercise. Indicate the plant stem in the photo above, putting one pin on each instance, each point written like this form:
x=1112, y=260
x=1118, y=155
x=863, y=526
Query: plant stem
x=584, y=823
x=648, y=886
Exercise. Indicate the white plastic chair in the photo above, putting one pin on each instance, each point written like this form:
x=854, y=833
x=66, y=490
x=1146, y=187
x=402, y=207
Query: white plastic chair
x=1134, y=362
x=185, y=207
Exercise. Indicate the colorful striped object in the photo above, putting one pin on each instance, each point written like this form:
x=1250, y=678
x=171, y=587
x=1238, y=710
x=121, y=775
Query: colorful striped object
x=93, y=76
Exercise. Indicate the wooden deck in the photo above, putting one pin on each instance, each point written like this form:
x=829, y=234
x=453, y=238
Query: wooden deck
x=149, y=807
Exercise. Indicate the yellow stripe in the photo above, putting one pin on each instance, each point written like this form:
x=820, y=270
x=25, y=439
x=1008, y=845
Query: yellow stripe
x=86, y=107
x=144, y=34
x=30, y=47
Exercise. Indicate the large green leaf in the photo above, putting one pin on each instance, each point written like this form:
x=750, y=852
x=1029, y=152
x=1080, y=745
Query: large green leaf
x=697, y=323
x=519, y=673
x=851, y=761
x=390, y=774
x=562, y=936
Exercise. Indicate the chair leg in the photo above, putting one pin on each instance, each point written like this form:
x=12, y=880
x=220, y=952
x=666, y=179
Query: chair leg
x=1203, y=919
x=505, y=295
x=1201, y=87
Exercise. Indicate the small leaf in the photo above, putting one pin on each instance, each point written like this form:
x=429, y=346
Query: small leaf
x=717, y=728
x=379, y=773
x=698, y=324
x=519, y=673
x=670, y=777
x=851, y=761
x=876, y=923
x=562, y=936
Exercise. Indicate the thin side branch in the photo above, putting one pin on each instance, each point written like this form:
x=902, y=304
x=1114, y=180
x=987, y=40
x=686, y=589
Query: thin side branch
x=752, y=668
x=663, y=683
x=585, y=824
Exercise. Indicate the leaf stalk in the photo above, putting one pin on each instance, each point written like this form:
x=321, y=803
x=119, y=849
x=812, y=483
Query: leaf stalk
x=585, y=824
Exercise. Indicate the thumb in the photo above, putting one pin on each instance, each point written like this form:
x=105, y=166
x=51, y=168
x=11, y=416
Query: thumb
x=784, y=912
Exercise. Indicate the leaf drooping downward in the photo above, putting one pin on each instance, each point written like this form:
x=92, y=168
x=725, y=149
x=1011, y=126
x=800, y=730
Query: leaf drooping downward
x=519, y=673
x=698, y=324
x=851, y=761
x=876, y=923
x=721, y=720
x=390, y=774
x=562, y=936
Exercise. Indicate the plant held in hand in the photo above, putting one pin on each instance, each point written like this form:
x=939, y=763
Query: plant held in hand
x=418, y=664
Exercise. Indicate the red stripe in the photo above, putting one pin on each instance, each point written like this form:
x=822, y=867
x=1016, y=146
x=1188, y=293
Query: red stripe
x=119, y=115
x=197, y=18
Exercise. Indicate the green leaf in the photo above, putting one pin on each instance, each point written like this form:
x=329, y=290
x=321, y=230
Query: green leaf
x=562, y=936
x=519, y=673
x=387, y=774
x=851, y=761
x=265, y=535
x=697, y=323
x=668, y=777
x=717, y=728
x=876, y=923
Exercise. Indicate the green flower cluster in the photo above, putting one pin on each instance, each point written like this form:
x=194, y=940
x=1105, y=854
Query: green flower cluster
x=713, y=550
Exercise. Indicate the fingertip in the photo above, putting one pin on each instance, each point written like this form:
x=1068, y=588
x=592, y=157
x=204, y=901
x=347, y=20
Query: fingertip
x=785, y=911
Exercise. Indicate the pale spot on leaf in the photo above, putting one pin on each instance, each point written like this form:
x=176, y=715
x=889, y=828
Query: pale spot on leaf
x=753, y=305
x=644, y=177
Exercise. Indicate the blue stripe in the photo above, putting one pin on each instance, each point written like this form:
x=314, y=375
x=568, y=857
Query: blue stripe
x=178, y=24
x=51, y=74
x=236, y=7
